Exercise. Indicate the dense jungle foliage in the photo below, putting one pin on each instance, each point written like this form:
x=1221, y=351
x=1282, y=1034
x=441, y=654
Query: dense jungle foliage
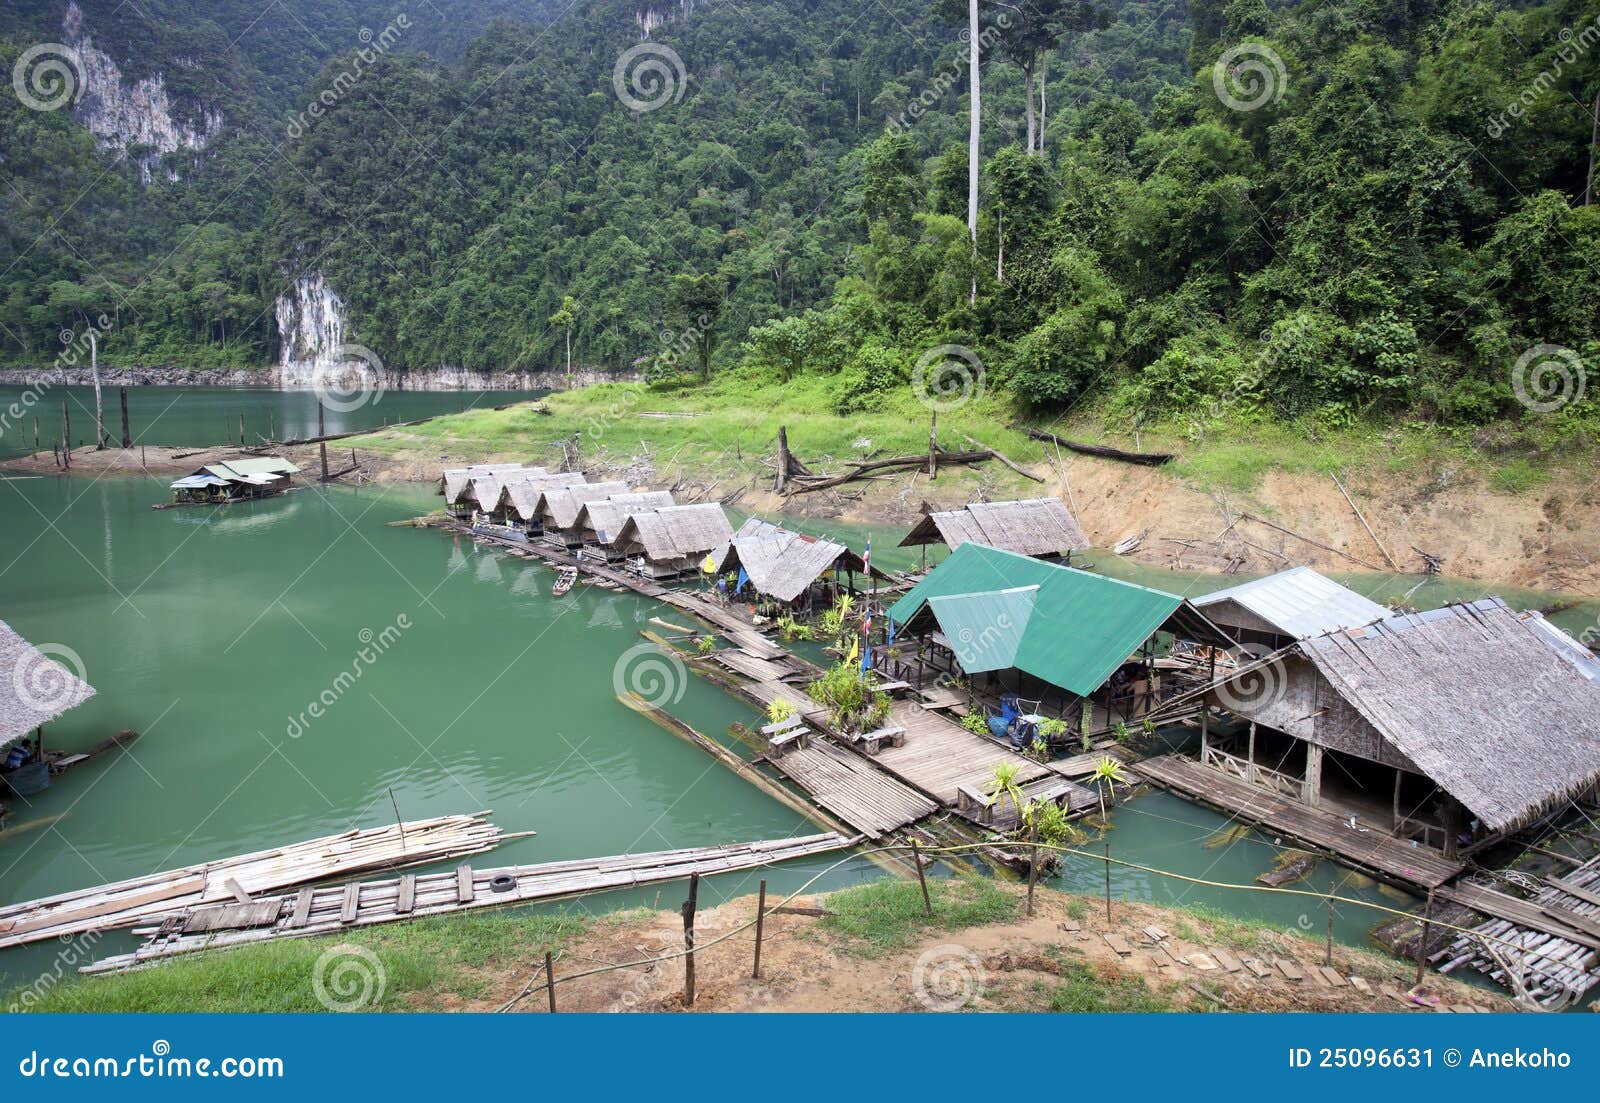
x=1367, y=207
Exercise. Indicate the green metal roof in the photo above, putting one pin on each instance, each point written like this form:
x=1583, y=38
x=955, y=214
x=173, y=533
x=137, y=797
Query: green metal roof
x=265, y=465
x=1080, y=626
x=986, y=629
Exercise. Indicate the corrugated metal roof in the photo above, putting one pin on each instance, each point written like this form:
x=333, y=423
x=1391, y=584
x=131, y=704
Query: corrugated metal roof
x=1083, y=625
x=1298, y=603
x=1571, y=650
x=985, y=630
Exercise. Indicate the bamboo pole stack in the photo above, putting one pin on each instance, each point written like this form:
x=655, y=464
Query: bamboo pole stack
x=238, y=879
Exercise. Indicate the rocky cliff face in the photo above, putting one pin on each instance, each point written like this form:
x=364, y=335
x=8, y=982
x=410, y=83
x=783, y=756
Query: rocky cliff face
x=311, y=335
x=138, y=116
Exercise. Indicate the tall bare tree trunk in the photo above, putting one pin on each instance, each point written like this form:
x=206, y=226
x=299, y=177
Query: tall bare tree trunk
x=974, y=123
x=99, y=406
x=1027, y=97
x=1594, y=139
x=1044, y=69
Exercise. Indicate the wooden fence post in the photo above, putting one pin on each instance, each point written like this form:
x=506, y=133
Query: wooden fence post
x=1422, y=943
x=550, y=979
x=1108, y=882
x=922, y=879
x=688, y=940
x=127, y=439
x=761, y=917
x=1033, y=862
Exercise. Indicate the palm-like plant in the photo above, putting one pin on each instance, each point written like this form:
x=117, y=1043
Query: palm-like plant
x=1003, y=783
x=1108, y=771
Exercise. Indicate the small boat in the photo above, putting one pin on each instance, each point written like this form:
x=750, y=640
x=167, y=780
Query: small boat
x=564, y=581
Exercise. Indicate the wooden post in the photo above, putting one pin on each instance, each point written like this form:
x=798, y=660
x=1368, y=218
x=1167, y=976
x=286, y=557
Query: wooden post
x=1250, y=759
x=321, y=431
x=35, y=432
x=241, y=426
x=1205, y=731
x=933, y=445
x=1422, y=944
x=783, y=458
x=922, y=879
x=1033, y=862
x=761, y=919
x=550, y=979
x=1311, y=787
x=127, y=438
x=66, y=436
x=688, y=940
x=1333, y=886
x=1108, y=882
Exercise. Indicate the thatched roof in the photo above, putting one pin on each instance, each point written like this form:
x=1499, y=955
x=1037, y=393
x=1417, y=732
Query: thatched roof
x=605, y=517
x=1029, y=526
x=455, y=480
x=560, y=506
x=677, y=532
x=1297, y=603
x=780, y=563
x=521, y=493
x=34, y=688
x=1478, y=700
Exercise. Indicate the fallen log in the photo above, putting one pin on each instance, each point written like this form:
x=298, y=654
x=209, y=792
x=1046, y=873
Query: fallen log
x=864, y=470
x=1105, y=452
x=1003, y=458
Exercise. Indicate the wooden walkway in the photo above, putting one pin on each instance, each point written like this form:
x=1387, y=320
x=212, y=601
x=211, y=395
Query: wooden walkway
x=359, y=904
x=849, y=786
x=764, y=693
x=760, y=670
x=940, y=755
x=1385, y=857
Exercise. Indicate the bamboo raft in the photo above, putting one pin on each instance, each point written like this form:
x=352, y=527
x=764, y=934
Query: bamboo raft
x=850, y=787
x=1551, y=940
x=239, y=880
x=338, y=908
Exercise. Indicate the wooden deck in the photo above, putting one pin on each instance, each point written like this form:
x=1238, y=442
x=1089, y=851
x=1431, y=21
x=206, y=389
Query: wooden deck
x=765, y=693
x=940, y=755
x=761, y=670
x=336, y=908
x=852, y=788
x=1385, y=857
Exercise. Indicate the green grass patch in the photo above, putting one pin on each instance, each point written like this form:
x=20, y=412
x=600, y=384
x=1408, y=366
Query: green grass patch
x=422, y=965
x=888, y=915
x=1239, y=934
x=1086, y=990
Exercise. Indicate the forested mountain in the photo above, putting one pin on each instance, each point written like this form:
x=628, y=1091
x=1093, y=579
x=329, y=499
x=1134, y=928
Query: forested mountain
x=1329, y=208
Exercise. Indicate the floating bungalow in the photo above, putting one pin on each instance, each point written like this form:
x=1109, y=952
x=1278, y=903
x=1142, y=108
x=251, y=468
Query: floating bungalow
x=1037, y=527
x=34, y=691
x=519, y=501
x=795, y=571
x=600, y=521
x=558, y=509
x=234, y=481
x=1445, y=729
x=1069, y=645
x=1296, y=604
x=668, y=542
x=455, y=481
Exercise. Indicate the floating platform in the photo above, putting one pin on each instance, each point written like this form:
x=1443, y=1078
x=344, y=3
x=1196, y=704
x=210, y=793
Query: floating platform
x=336, y=908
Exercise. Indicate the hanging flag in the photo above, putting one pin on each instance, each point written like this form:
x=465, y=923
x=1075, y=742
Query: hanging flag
x=708, y=564
x=891, y=629
x=855, y=650
x=743, y=578
x=866, y=559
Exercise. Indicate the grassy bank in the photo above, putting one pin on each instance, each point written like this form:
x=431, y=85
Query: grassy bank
x=873, y=949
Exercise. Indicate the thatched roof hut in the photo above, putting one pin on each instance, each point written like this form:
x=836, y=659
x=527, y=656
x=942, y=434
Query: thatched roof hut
x=676, y=532
x=1030, y=526
x=521, y=494
x=483, y=491
x=454, y=481
x=559, y=506
x=1289, y=605
x=782, y=564
x=34, y=688
x=601, y=520
x=1470, y=696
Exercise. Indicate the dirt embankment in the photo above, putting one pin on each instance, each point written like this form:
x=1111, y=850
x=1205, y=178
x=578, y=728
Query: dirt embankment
x=1061, y=958
x=1546, y=538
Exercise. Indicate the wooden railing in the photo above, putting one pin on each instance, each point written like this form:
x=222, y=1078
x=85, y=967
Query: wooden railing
x=1272, y=780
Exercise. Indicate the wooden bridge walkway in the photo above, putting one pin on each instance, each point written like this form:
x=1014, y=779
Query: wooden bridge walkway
x=939, y=755
x=1382, y=855
x=328, y=910
x=849, y=786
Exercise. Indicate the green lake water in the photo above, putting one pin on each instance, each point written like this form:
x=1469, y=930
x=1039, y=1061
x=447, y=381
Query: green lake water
x=210, y=415
x=212, y=631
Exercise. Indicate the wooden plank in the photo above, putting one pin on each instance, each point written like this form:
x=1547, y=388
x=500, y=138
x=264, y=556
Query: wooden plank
x=351, y=903
x=1225, y=959
x=302, y=908
x=1333, y=976
x=464, y=884
x=1118, y=944
x=75, y=918
x=1586, y=895
x=1290, y=969
x=408, y=894
x=1257, y=969
x=233, y=886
